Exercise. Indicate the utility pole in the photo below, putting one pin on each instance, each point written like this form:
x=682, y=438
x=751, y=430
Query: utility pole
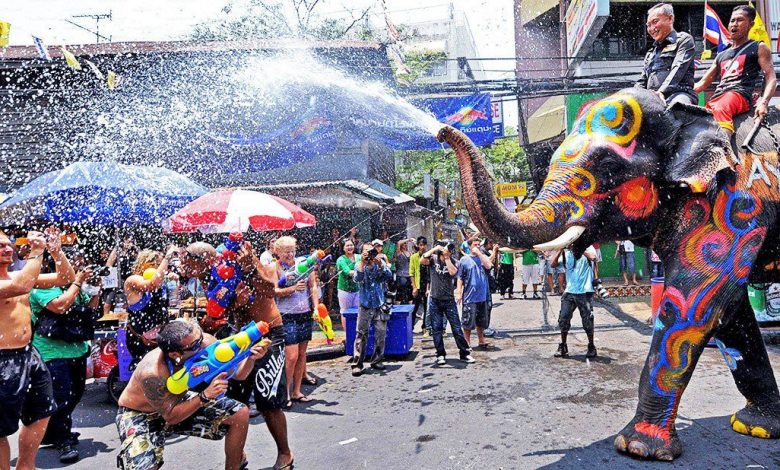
x=97, y=17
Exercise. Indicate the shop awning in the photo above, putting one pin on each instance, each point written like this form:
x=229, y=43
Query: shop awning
x=366, y=193
x=531, y=9
x=548, y=120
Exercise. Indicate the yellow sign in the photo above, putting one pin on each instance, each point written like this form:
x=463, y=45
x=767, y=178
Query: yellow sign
x=511, y=189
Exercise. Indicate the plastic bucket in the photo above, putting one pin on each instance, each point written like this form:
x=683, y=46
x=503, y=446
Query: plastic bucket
x=757, y=299
x=656, y=293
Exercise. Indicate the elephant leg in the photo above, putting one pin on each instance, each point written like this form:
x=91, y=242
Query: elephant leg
x=743, y=348
x=709, y=265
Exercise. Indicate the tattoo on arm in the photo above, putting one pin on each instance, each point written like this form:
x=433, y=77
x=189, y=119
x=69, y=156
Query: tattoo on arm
x=158, y=395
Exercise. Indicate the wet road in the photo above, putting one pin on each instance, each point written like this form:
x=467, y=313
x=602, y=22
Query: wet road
x=517, y=407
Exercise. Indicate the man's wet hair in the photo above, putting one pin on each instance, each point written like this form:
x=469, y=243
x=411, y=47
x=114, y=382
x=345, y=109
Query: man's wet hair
x=172, y=334
x=747, y=10
x=664, y=8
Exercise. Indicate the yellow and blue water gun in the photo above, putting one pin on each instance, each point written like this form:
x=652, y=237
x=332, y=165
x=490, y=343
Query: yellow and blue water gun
x=224, y=355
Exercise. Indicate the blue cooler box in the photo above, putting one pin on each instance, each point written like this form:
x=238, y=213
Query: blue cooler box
x=399, y=332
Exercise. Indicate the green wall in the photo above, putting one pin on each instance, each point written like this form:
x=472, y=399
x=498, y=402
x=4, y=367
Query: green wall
x=610, y=267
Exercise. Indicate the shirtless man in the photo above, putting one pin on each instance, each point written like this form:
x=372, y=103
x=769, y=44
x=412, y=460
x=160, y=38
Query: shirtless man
x=254, y=302
x=26, y=389
x=148, y=412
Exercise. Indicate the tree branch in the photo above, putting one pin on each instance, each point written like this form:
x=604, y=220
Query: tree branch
x=355, y=21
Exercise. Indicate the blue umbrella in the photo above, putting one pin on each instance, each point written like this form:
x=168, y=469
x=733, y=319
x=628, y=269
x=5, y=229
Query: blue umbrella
x=106, y=193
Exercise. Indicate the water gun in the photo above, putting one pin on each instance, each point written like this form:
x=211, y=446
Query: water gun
x=304, y=268
x=323, y=319
x=221, y=356
x=225, y=277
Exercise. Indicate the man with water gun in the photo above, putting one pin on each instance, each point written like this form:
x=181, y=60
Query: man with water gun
x=149, y=411
x=253, y=301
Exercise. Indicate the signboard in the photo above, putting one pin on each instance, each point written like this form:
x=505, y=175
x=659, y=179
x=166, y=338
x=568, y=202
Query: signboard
x=576, y=105
x=773, y=25
x=584, y=19
x=511, y=189
x=497, y=112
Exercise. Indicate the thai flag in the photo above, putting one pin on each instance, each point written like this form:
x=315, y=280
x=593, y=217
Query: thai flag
x=714, y=31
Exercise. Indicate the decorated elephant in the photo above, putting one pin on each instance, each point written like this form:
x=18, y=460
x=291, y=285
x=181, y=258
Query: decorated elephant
x=670, y=179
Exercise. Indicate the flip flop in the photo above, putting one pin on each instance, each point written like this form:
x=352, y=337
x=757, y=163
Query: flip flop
x=309, y=380
x=303, y=399
x=289, y=466
x=288, y=406
x=484, y=347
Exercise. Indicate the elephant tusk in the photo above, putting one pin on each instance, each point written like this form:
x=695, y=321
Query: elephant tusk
x=569, y=236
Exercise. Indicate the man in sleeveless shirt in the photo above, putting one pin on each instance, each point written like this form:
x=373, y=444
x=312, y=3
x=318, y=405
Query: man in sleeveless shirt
x=740, y=68
x=668, y=67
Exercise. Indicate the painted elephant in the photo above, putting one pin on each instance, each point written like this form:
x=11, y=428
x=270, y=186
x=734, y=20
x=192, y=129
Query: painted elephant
x=667, y=178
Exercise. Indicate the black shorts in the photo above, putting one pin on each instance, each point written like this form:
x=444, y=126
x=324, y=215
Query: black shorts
x=475, y=314
x=583, y=302
x=25, y=389
x=268, y=379
x=297, y=327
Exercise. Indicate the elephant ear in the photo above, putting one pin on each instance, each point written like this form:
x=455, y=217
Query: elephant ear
x=700, y=149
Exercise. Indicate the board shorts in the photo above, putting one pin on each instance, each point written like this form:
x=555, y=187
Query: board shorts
x=267, y=380
x=475, y=314
x=297, y=327
x=143, y=435
x=26, y=391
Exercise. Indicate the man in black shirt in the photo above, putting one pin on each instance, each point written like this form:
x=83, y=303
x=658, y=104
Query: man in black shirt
x=668, y=67
x=441, y=303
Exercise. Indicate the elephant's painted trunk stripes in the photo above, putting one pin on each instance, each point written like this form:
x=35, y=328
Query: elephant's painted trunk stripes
x=490, y=217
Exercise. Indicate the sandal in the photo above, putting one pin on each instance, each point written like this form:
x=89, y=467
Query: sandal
x=288, y=406
x=308, y=380
x=484, y=347
x=289, y=466
x=303, y=399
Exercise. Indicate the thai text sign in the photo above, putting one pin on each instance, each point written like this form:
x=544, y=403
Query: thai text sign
x=584, y=19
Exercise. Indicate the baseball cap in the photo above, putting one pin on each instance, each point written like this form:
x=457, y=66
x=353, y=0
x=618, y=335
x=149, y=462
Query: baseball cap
x=377, y=241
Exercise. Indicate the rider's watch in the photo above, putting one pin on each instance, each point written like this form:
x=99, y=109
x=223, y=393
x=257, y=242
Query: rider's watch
x=204, y=399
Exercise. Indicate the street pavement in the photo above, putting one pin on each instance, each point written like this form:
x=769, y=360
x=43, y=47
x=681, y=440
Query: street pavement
x=517, y=407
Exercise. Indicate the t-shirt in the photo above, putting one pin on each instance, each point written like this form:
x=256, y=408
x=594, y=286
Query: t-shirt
x=345, y=265
x=442, y=283
x=530, y=258
x=389, y=249
x=55, y=348
x=628, y=246
x=507, y=258
x=475, y=282
x=579, y=275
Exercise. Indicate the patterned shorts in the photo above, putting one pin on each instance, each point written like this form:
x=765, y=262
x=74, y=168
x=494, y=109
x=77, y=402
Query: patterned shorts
x=143, y=434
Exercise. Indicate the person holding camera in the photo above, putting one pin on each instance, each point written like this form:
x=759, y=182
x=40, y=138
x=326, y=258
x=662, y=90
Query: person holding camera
x=371, y=274
x=473, y=291
x=63, y=319
x=579, y=295
x=441, y=304
x=26, y=389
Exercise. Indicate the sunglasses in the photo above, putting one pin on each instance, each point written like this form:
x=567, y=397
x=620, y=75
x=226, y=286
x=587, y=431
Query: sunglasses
x=195, y=345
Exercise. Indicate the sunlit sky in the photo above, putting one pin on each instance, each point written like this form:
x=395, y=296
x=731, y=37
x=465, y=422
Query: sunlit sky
x=491, y=21
x=139, y=20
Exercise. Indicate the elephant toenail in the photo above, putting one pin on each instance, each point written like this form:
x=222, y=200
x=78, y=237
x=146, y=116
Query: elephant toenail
x=758, y=431
x=621, y=443
x=733, y=418
x=664, y=454
x=638, y=448
x=740, y=427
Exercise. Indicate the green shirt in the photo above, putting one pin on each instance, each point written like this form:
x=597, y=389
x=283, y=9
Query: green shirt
x=507, y=258
x=530, y=257
x=55, y=348
x=345, y=265
x=389, y=248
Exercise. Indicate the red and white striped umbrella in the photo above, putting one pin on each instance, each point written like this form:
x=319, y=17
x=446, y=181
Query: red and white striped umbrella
x=235, y=210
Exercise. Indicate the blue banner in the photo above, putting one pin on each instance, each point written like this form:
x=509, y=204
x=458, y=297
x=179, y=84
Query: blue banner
x=470, y=114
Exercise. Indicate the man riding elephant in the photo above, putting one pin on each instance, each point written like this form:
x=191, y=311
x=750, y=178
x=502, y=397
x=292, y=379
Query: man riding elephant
x=740, y=68
x=667, y=178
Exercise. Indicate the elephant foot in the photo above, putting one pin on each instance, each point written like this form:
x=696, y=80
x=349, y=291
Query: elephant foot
x=758, y=421
x=648, y=441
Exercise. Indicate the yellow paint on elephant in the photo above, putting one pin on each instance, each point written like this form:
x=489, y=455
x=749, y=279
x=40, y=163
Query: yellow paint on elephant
x=582, y=183
x=758, y=431
x=740, y=427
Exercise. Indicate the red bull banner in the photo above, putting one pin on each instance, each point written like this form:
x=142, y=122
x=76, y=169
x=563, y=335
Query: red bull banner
x=471, y=114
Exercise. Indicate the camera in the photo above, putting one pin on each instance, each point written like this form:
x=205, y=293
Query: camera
x=99, y=271
x=387, y=307
x=600, y=289
x=448, y=244
x=372, y=253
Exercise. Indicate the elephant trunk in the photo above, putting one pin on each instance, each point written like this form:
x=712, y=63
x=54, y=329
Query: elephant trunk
x=490, y=216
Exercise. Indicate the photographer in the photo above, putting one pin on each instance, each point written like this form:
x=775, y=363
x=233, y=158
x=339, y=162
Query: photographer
x=63, y=319
x=442, y=306
x=371, y=273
